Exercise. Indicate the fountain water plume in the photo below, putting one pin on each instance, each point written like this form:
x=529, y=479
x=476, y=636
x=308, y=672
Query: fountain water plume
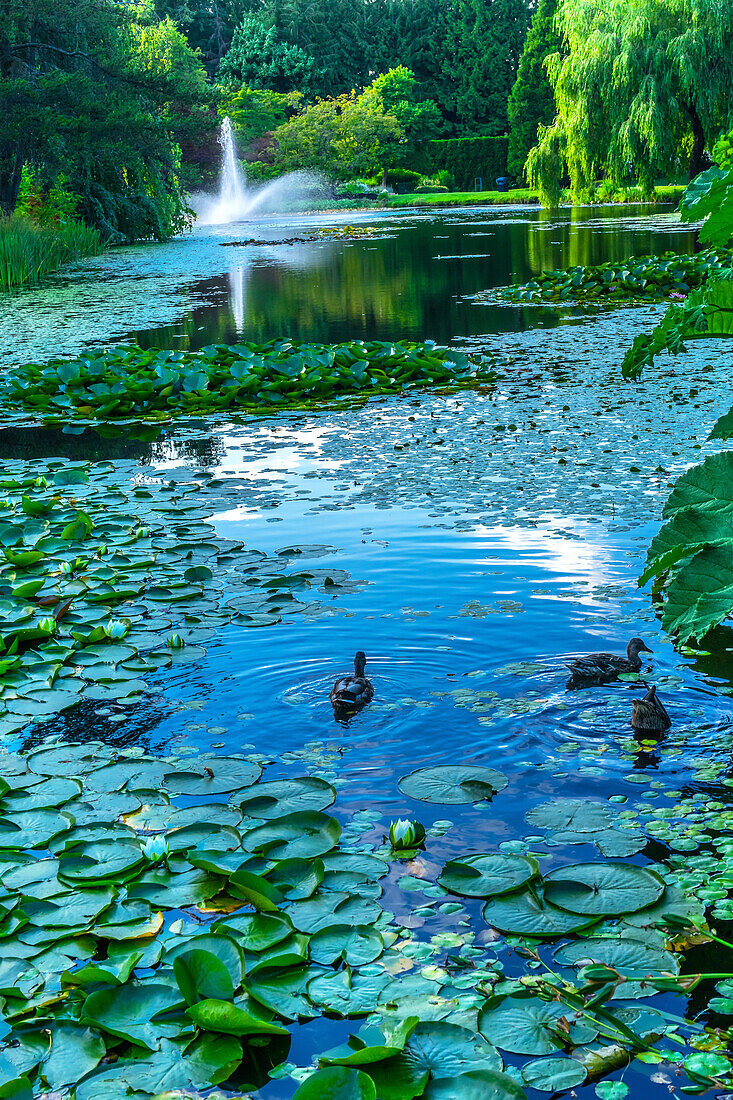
x=237, y=201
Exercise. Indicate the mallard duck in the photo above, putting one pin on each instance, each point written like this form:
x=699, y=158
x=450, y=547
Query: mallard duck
x=649, y=714
x=602, y=668
x=351, y=693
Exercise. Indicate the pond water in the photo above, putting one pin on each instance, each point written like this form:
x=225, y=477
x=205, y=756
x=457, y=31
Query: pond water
x=484, y=537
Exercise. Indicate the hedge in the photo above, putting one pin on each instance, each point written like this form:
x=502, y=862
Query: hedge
x=467, y=158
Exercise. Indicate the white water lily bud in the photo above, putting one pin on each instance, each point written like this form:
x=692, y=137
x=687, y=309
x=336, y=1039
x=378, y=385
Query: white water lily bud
x=65, y=567
x=404, y=834
x=155, y=848
x=116, y=629
x=142, y=533
x=176, y=641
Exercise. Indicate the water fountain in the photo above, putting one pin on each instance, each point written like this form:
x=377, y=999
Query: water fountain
x=237, y=201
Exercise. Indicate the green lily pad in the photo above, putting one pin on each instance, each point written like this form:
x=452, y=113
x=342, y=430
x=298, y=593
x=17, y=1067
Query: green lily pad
x=337, y=1083
x=485, y=875
x=530, y=1026
x=554, y=1074
x=530, y=914
x=603, y=889
x=452, y=784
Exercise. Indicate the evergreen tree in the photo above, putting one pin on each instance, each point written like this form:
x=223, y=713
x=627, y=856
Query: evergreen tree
x=489, y=36
x=532, y=100
x=101, y=93
x=259, y=58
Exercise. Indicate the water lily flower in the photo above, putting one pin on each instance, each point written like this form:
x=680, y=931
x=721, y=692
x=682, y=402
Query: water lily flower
x=176, y=641
x=142, y=533
x=405, y=835
x=49, y=626
x=155, y=848
x=116, y=629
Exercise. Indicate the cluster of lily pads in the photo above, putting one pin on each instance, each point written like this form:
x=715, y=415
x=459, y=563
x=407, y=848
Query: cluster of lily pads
x=103, y=582
x=165, y=924
x=645, y=278
x=124, y=382
x=342, y=233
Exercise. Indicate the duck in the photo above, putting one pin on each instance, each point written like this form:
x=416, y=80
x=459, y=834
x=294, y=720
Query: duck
x=352, y=692
x=649, y=713
x=602, y=668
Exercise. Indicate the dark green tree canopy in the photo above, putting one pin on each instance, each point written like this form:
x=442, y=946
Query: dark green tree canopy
x=100, y=92
x=532, y=100
x=259, y=58
x=488, y=40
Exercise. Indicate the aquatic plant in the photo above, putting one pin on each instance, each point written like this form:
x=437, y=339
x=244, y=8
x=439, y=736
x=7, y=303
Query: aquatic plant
x=645, y=278
x=28, y=252
x=94, y=573
x=111, y=383
x=166, y=921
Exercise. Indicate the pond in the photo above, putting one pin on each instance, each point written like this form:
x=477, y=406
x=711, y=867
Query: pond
x=469, y=543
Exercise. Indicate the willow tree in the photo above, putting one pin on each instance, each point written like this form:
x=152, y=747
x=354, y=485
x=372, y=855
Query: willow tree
x=636, y=80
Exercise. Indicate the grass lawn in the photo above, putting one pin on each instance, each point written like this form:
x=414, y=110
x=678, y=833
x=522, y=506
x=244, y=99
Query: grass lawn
x=666, y=193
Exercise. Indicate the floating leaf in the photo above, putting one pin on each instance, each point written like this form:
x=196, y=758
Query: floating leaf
x=451, y=784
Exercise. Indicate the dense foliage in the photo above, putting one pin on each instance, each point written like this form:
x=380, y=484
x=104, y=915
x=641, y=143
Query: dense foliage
x=359, y=134
x=29, y=251
x=645, y=278
x=469, y=158
x=102, y=93
x=532, y=100
x=637, y=79
x=257, y=58
x=464, y=54
x=130, y=381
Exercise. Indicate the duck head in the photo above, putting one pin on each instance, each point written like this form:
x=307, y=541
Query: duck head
x=635, y=647
x=359, y=662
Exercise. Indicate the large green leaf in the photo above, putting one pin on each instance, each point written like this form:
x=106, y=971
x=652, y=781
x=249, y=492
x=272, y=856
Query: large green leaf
x=603, y=889
x=337, y=1083
x=710, y=196
x=230, y=1019
x=482, y=876
x=354, y=944
x=129, y=1011
x=302, y=835
x=452, y=784
x=530, y=913
x=554, y=1074
x=477, y=1085
x=530, y=1026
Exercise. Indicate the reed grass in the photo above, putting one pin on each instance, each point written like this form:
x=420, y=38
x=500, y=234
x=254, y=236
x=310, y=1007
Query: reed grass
x=28, y=252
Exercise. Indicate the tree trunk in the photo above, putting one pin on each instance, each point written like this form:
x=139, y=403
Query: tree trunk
x=698, y=141
x=384, y=176
x=11, y=167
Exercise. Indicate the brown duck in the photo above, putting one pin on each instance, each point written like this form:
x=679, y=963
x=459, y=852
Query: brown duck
x=649, y=713
x=602, y=668
x=352, y=692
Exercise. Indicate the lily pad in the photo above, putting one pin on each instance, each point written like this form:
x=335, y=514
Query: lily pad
x=482, y=876
x=603, y=889
x=452, y=784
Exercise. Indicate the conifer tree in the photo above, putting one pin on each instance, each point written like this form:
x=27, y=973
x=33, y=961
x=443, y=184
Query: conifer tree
x=532, y=100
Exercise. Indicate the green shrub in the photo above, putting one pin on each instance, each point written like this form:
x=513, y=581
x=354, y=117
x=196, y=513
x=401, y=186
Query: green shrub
x=28, y=251
x=260, y=172
x=467, y=158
